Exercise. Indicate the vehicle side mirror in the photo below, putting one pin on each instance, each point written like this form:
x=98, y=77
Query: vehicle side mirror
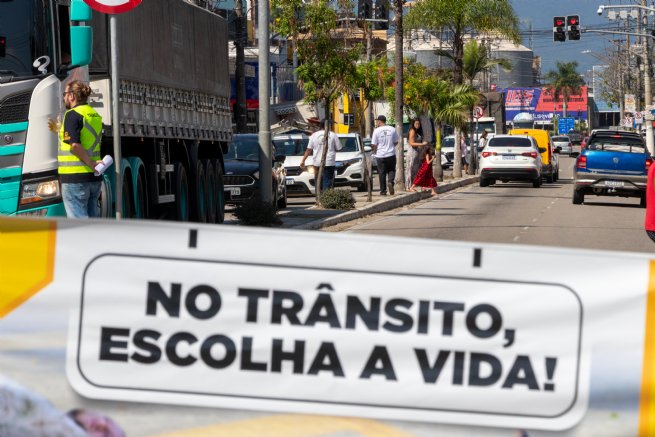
x=542, y=149
x=367, y=149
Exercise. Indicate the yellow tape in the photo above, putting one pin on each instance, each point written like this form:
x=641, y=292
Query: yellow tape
x=647, y=403
x=27, y=260
x=293, y=426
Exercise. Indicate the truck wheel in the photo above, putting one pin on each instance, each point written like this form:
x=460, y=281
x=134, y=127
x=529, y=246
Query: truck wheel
x=140, y=197
x=210, y=199
x=127, y=201
x=200, y=194
x=181, y=193
x=578, y=197
x=220, y=192
x=105, y=202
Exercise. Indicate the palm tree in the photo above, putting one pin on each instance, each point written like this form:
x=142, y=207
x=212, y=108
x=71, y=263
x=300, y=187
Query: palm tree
x=476, y=60
x=464, y=17
x=451, y=105
x=564, y=82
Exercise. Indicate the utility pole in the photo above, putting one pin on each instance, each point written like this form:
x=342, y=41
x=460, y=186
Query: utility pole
x=368, y=116
x=398, y=113
x=239, y=69
x=265, y=158
x=648, y=93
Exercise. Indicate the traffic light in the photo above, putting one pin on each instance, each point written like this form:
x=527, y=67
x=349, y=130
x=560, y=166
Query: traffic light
x=573, y=27
x=559, y=33
x=381, y=12
x=365, y=9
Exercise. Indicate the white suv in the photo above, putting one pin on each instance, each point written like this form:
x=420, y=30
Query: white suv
x=297, y=179
x=350, y=162
x=510, y=157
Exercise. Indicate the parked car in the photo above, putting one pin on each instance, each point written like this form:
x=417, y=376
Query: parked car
x=448, y=150
x=511, y=158
x=350, y=162
x=575, y=136
x=241, y=179
x=297, y=179
x=564, y=143
x=614, y=163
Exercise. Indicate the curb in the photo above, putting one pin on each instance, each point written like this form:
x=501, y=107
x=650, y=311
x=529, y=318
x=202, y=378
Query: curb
x=385, y=205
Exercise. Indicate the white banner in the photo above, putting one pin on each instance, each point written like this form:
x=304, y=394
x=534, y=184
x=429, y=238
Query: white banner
x=308, y=322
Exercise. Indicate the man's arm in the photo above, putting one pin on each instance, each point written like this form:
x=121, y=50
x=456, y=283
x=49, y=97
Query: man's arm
x=308, y=151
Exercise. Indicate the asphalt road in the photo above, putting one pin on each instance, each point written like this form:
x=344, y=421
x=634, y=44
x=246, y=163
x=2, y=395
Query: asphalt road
x=516, y=213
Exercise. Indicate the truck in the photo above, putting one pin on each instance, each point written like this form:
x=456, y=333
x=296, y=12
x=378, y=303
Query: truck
x=174, y=90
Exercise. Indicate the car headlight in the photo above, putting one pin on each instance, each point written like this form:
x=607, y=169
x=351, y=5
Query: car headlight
x=40, y=191
x=348, y=162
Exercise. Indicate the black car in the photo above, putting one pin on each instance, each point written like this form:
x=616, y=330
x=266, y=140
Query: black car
x=241, y=178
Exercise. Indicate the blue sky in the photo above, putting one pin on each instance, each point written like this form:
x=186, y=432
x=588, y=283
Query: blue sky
x=540, y=13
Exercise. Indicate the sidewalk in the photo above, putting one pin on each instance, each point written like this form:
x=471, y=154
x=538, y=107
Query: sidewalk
x=317, y=218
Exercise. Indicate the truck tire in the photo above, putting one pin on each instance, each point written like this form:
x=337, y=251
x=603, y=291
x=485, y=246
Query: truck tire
x=140, y=197
x=220, y=192
x=210, y=199
x=181, y=193
x=127, y=201
x=199, y=198
x=578, y=197
x=105, y=201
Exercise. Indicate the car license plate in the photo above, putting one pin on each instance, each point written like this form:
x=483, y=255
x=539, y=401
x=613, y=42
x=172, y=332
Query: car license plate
x=614, y=183
x=234, y=191
x=510, y=157
x=290, y=181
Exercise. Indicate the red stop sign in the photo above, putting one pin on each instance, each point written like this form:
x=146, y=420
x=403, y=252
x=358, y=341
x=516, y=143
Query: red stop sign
x=113, y=6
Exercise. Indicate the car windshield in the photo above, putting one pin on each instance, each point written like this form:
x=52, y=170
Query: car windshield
x=291, y=146
x=510, y=142
x=349, y=144
x=448, y=142
x=23, y=26
x=617, y=144
x=561, y=139
x=243, y=149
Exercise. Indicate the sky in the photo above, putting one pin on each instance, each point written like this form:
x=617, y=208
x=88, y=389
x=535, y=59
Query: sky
x=541, y=12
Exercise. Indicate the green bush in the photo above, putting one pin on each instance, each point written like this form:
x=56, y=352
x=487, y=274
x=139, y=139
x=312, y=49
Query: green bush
x=337, y=199
x=257, y=213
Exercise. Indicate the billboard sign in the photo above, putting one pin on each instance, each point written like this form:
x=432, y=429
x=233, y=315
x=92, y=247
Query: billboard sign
x=541, y=103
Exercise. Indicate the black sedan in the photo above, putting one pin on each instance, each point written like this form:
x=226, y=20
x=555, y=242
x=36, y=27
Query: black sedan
x=242, y=171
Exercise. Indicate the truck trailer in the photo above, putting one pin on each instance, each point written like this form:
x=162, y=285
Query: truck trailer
x=174, y=90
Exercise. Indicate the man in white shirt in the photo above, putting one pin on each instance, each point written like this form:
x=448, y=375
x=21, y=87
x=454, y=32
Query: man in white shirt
x=315, y=145
x=383, y=142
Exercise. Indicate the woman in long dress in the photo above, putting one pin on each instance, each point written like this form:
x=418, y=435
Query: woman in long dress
x=413, y=161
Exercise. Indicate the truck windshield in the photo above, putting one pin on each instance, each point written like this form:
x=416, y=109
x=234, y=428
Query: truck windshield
x=23, y=38
x=488, y=126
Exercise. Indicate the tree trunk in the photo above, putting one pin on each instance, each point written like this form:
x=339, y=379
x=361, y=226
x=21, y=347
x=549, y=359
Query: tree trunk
x=438, y=169
x=457, y=155
x=458, y=54
x=239, y=73
x=564, y=114
x=326, y=137
x=398, y=113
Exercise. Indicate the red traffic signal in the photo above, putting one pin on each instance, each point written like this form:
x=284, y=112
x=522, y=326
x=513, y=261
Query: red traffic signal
x=573, y=20
x=573, y=27
x=559, y=30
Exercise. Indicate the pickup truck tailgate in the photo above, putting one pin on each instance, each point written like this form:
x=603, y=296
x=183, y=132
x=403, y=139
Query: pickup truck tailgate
x=613, y=162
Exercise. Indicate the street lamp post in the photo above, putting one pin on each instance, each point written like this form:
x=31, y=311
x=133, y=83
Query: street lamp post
x=648, y=98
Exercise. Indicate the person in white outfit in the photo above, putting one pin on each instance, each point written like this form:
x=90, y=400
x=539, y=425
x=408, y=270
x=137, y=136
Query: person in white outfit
x=383, y=142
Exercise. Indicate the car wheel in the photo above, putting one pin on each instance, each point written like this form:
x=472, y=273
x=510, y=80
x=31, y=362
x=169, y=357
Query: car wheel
x=536, y=183
x=578, y=197
x=361, y=187
x=282, y=201
x=484, y=182
x=642, y=200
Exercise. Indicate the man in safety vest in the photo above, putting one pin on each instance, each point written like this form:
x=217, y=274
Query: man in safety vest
x=80, y=136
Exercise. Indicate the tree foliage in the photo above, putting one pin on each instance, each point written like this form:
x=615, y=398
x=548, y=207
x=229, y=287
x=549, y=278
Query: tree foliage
x=464, y=17
x=564, y=82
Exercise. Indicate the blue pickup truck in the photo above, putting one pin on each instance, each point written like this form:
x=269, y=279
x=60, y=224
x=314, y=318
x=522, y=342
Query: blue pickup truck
x=613, y=163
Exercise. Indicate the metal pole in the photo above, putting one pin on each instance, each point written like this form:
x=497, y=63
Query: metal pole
x=115, y=116
x=239, y=69
x=265, y=158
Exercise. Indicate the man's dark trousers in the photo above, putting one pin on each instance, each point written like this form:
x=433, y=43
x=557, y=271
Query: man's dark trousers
x=386, y=167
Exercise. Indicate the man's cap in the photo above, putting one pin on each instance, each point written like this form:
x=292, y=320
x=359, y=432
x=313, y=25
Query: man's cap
x=382, y=118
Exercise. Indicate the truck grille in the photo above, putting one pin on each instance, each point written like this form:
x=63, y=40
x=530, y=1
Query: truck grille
x=16, y=108
x=231, y=180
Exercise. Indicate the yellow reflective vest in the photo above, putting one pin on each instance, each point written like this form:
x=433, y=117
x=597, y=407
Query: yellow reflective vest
x=90, y=137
